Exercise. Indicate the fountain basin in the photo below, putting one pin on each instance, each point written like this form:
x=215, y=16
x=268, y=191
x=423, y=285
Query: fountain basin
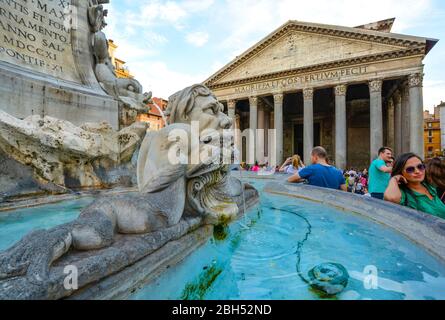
x=255, y=257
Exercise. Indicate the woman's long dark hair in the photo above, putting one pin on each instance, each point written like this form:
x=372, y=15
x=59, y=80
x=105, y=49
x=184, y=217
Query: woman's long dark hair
x=435, y=172
x=401, y=161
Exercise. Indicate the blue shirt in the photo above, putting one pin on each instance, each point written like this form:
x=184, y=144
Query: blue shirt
x=378, y=180
x=323, y=176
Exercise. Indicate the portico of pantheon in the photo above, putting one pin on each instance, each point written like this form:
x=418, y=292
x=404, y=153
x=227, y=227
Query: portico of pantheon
x=350, y=90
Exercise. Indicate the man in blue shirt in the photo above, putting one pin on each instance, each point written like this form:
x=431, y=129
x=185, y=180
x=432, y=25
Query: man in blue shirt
x=380, y=173
x=320, y=173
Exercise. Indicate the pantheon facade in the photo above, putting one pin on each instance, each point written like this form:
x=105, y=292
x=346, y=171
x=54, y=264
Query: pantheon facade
x=350, y=90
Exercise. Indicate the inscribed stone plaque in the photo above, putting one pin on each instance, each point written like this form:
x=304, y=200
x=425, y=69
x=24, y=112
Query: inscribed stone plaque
x=36, y=35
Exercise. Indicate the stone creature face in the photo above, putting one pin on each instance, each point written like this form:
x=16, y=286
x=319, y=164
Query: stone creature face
x=209, y=113
x=210, y=190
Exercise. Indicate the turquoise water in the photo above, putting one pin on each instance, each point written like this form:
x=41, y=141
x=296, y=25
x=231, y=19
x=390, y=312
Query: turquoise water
x=16, y=224
x=257, y=260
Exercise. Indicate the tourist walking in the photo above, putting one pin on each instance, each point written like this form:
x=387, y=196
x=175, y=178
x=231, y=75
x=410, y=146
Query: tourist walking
x=408, y=186
x=320, y=173
x=380, y=173
x=435, y=175
x=292, y=165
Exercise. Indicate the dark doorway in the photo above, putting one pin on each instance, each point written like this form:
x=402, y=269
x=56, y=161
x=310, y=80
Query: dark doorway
x=299, y=137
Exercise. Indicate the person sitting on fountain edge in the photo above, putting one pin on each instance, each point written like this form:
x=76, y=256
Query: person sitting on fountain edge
x=320, y=173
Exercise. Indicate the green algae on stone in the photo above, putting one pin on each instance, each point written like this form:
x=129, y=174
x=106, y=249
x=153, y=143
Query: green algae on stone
x=220, y=232
x=198, y=289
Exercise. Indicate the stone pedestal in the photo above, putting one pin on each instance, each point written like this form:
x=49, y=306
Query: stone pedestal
x=56, y=79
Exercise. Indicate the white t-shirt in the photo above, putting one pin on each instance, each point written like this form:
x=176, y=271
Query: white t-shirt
x=290, y=169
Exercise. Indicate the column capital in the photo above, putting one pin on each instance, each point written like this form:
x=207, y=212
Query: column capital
x=375, y=85
x=308, y=93
x=341, y=90
x=278, y=98
x=415, y=80
x=231, y=104
x=253, y=100
x=391, y=103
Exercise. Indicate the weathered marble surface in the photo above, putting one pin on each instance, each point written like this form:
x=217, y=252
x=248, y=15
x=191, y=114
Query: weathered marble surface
x=65, y=155
x=54, y=61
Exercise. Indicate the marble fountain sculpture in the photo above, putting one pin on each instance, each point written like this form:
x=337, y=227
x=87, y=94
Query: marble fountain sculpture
x=70, y=129
x=116, y=232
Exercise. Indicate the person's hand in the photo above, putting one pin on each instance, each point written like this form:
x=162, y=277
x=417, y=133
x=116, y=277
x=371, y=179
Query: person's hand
x=288, y=160
x=400, y=179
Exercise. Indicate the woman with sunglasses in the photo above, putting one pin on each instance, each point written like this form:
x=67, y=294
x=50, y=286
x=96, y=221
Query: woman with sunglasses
x=409, y=188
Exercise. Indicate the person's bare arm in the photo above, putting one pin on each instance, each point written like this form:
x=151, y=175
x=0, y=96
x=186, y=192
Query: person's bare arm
x=393, y=193
x=295, y=178
x=344, y=188
x=385, y=169
x=285, y=164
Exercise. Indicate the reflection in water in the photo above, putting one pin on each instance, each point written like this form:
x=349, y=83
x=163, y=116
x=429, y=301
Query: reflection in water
x=259, y=262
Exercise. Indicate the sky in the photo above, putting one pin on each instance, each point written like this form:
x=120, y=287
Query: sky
x=169, y=45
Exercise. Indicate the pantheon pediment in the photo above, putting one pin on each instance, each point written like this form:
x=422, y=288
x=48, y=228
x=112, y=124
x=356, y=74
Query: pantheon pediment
x=301, y=46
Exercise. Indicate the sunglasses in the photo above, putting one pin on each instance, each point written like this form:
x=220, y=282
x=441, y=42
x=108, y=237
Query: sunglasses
x=421, y=167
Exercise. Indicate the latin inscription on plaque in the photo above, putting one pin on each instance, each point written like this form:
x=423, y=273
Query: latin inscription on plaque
x=301, y=80
x=36, y=34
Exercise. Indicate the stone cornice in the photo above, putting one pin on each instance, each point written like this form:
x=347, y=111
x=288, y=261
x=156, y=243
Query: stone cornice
x=353, y=33
x=418, y=51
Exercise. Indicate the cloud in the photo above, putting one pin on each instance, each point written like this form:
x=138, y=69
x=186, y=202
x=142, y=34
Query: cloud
x=434, y=93
x=157, y=77
x=197, y=39
x=149, y=33
x=250, y=20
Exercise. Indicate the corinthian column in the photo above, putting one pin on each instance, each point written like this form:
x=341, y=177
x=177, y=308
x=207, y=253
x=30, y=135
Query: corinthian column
x=340, y=127
x=416, y=143
x=398, y=122
x=390, y=124
x=231, y=107
x=260, y=136
x=405, y=119
x=376, y=130
x=253, y=101
x=308, y=95
x=278, y=121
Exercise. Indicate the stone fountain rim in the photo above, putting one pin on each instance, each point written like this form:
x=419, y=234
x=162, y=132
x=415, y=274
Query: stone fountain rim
x=424, y=230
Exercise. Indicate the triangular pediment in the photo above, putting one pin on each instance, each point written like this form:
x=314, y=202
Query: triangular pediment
x=298, y=45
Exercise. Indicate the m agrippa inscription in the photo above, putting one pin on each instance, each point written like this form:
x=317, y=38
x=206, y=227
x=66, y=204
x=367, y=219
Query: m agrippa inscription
x=295, y=82
x=36, y=35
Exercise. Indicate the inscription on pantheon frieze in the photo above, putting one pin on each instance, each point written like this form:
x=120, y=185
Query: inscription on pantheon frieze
x=36, y=34
x=301, y=80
